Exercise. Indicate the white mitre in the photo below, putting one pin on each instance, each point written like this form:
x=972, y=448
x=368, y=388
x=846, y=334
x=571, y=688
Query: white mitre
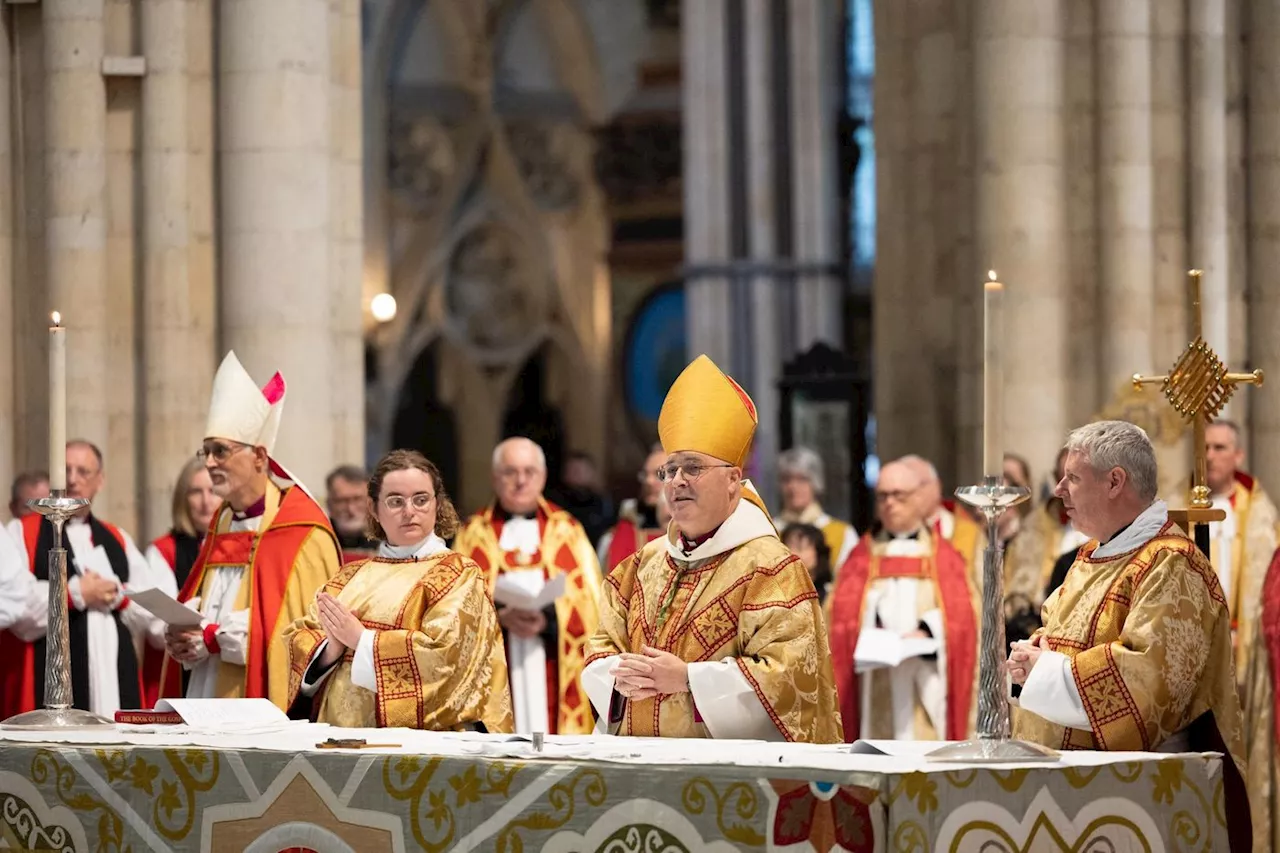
x=241, y=411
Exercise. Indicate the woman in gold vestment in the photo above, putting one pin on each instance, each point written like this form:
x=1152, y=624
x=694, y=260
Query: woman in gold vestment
x=410, y=637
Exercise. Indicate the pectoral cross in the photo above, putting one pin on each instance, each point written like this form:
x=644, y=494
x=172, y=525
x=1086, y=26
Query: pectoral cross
x=1197, y=387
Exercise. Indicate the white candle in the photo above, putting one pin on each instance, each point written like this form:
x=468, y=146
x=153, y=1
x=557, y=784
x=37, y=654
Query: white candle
x=992, y=377
x=57, y=404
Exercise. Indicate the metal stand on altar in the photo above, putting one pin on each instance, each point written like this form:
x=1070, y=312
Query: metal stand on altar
x=57, y=712
x=1197, y=387
x=993, y=743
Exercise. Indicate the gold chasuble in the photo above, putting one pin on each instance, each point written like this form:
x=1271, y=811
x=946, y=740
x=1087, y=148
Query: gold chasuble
x=437, y=659
x=742, y=611
x=1139, y=655
x=563, y=549
x=1262, y=717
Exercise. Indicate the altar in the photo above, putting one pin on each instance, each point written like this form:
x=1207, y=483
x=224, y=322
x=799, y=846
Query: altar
x=274, y=790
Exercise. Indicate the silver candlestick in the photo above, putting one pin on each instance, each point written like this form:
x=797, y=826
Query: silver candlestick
x=57, y=712
x=993, y=742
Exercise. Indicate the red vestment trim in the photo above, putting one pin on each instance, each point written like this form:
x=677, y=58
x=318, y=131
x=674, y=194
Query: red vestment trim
x=961, y=627
x=1270, y=616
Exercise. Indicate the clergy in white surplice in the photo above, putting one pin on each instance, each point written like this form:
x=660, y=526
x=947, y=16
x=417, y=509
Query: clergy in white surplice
x=524, y=542
x=103, y=565
x=905, y=589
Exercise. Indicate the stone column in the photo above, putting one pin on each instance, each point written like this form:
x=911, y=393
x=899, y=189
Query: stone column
x=1126, y=240
x=762, y=221
x=1264, y=236
x=819, y=304
x=176, y=351
x=75, y=198
x=1021, y=201
x=706, y=176
x=346, y=201
x=273, y=106
x=9, y=342
x=1169, y=152
x=1207, y=155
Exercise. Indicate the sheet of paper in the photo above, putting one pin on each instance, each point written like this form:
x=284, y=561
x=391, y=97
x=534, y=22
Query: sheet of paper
x=226, y=714
x=878, y=648
x=512, y=592
x=166, y=608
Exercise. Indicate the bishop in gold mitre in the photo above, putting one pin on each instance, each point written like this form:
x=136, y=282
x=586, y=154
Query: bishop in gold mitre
x=715, y=629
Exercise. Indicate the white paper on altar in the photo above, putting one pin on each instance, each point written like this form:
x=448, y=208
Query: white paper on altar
x=524, y=591
x=230, y=715
x=166, y=608
x=878, y=648
x=900, y=748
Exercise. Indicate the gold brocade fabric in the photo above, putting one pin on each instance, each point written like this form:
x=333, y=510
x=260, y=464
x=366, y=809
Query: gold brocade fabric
x=1150, y=646
x=565, y=549
x=438, y=649
x=755, y=603
x=1263, y=755
x=1251, y=550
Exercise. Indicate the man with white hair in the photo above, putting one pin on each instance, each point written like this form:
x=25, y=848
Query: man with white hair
x=1135, y=653
x=945, y=518
x=530, y=541
x=803, y=480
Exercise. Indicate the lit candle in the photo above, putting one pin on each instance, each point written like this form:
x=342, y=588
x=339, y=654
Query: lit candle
x=57, y=404
x=992, y=377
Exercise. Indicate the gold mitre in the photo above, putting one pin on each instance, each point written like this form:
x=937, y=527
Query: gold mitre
x=707, y=412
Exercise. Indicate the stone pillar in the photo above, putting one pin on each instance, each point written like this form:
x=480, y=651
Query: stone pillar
x=1021, y=202
x=273, y=107
x=346, y=200
x=1169, y=152
x=9, y=463
x=813, y=25
x=1126, y=241
x=1264, y=236
x=1207, y=154
x=762, y=222
x=75, y=215
x=706, y=176
x=176, y=357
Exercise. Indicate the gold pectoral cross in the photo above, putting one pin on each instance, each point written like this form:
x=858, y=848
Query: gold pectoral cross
x=1197, y=387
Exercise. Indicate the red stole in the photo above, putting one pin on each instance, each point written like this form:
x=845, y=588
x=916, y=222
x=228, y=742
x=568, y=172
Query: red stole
x=946, y=568
x=625, y=542
x=269, y=555
x=1269, y=615
x=17, y=673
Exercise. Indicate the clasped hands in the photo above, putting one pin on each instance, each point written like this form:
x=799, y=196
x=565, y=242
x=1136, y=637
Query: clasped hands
x=653, y=673
x=340, y=625
x=1022, y=659
x=98, y=592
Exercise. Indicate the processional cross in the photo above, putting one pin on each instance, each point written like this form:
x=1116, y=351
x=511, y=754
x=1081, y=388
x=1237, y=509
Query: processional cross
x=1197, y=387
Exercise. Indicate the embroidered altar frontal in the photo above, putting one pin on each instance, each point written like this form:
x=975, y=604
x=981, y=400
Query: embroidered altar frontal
x=473, y=792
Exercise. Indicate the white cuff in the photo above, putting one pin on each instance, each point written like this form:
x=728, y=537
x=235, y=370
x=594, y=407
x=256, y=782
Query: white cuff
x=597, y=680
x=73, y=589
x=233, y=637
x=363, y=673
x=1050, y=691
x=727, y=702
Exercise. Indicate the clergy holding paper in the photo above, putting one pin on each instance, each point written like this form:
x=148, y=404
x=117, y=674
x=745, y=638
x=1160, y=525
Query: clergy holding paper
x=1135, y=652
x=715, y=629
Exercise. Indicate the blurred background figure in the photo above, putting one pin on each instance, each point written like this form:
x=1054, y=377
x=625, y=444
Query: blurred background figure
x=802, y=481
x=27, y=486
x=581, y=493
x=347, y=503
x=810, y=545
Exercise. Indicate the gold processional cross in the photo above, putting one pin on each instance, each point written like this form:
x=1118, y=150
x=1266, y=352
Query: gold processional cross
x=1197, y=387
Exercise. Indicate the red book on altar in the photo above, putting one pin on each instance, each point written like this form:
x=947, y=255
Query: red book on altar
x=144, y=717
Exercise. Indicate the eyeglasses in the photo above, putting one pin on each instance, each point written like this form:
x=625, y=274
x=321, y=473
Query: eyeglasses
x=518, y=473
x=420, y=501
x=81, y=473
x=900, y=495
x=691, y=470
x=220, y=452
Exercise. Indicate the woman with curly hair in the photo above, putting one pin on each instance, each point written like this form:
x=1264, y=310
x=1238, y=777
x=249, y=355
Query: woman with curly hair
x=408, y=638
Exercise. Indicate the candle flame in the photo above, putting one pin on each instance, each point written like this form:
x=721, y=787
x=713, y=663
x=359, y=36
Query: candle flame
x=992, y=273
x=57, y=318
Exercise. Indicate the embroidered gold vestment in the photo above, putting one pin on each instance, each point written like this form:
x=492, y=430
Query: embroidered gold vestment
x=755, y=604
x=437, y=651
x=1262, y=723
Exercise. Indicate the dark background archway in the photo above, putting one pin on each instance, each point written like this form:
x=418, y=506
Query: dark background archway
x=424, y=423
x=529, y=414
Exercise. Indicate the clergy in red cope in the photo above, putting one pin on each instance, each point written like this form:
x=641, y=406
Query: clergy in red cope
x=713, y=630
x=268, y=551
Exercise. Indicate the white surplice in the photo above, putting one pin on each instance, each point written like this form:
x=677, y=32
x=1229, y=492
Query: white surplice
x=103, y=638
x=527, y=657
x=218, y=608
x=17, y=584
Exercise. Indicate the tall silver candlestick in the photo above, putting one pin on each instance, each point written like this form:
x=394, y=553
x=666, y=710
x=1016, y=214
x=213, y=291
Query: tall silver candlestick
x=993, y=742
x=57, y=712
